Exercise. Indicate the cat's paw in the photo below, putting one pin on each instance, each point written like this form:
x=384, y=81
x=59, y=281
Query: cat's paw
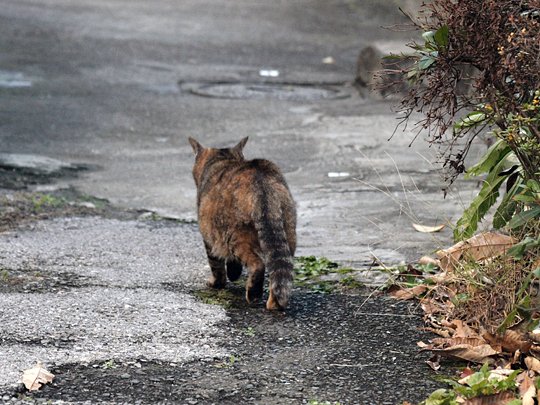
x=253, y=296
x=216, y=283
x=273, y=305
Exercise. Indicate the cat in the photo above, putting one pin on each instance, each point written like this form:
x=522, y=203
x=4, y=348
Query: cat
x=247, y=218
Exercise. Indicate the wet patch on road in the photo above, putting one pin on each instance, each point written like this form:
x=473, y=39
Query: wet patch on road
x=22, y=171
x=327, y=347
x=21, y=179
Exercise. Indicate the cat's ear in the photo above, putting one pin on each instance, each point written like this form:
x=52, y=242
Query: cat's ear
x=197, y=147
x=238, y=148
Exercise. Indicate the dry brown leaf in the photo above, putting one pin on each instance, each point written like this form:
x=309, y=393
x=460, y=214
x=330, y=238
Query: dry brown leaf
x=536, y=264
x=434, y=362
x=466, y=372
x=438, y=331
x=479, y=247
x=502, y=372
x=431, y=307
x=509, y=342
x=535, y=335
x=502, y=398
x=427, y=228
x=469, y=349
x=532, y=364
x=489, y=245
x=535, y=351
x=516, y=359
x=35, y=377
x=409, y=293
x=476, y=354
x=424, y=260
x=527, y=390
x=443, y=277
x=462, y=329
x=471, y=341
x=449, y=258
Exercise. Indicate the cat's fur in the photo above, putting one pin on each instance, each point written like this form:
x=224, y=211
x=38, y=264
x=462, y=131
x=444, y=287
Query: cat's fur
x=247, y=217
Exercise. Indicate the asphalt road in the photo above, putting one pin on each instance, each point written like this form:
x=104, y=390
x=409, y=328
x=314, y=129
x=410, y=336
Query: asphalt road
x=103, y=90
x=118, y=86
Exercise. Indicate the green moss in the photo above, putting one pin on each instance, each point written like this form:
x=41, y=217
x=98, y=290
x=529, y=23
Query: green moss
x=43, y=202
x=345, y=270
x=99, y=203
x=350, y=282
x=223, y=297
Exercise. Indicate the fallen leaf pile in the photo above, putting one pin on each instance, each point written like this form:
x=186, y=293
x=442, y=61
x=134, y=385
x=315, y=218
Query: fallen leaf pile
x=473, y=313
x=35, y=377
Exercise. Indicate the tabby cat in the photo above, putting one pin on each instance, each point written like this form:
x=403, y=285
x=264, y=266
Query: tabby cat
x=247, y=218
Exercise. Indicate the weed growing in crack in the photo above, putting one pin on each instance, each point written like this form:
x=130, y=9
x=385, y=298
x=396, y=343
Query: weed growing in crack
x=314, y=272
x=227, y=363
x=249, y=331
x=350, y=282
x=109, y=364
x=42, y=202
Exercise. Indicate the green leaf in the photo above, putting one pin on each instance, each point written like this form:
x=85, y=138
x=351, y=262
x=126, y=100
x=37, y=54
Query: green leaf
x=393, y=57
x=495, y=154
x=470, y=120
x=480, y=205
x=441, y=397
x=509, y=320
x=533, y=185
x=519, y=250
x=525, y=198
x=425, y=62
x=508, y=205
x=441, y=37
x=429, y=37
x=523, y=217
x=536, y=272
x=412, y=74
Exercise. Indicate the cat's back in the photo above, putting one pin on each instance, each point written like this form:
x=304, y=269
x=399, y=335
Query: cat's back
x=246, y=176
x=237, y=188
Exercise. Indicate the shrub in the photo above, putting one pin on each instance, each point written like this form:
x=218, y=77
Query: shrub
x=476, y=70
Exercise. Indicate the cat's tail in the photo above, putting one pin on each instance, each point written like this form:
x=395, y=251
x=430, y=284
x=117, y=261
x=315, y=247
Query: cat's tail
x=276, y=251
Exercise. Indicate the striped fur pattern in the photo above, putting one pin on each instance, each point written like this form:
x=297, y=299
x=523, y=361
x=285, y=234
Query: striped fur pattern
x=247, y=218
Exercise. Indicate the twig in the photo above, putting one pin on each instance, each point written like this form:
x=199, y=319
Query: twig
x=351, y=365
x=383, y=314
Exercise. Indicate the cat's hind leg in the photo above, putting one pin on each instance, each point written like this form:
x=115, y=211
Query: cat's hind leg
x=255, y=268
x=234, y=270
x=218, y=279
x=255, y=282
